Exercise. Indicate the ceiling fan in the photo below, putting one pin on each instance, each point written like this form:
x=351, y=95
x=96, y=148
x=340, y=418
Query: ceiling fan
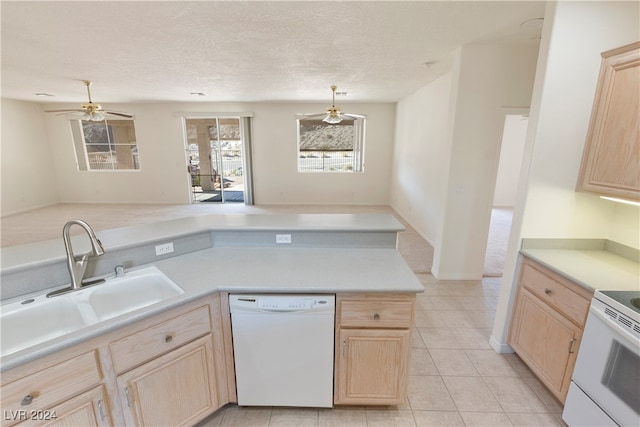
x=92, y=112
x=334, y=115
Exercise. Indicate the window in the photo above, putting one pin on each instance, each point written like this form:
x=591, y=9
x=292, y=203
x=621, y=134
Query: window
x=105, y=145
x=324, y=147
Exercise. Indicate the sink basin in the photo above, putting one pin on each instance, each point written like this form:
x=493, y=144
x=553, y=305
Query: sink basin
x=136, y=290
x=39, y=319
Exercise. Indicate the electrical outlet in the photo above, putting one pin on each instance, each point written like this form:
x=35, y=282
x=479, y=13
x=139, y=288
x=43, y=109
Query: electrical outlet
x=283, y=238
x=167, y=248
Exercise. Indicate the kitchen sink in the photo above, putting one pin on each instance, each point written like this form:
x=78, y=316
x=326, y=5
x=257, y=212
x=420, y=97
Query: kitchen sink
x=34, y=320
x=136, y=290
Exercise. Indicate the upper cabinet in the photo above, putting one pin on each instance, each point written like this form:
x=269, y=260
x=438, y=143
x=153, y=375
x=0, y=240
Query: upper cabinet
x=611, y=158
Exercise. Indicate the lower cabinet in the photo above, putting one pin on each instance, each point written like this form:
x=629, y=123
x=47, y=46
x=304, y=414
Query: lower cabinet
x=88, y=410
x=373, y=348
x=44, y=392
x=548, y=321
x=175, y=389
x=166, y=370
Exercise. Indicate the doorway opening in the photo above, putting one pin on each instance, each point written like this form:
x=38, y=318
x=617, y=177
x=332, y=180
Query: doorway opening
x=216, y=160
x=505, y=192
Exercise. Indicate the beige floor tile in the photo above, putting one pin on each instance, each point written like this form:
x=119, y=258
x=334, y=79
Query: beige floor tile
x=482, y=319
x=389, y=418
x=438, y=338
x=485, y=419
x=514, y=394
x=342, y=417
x=428, y=319
x=417, y=341
x=474, y=302
x=471, y=394
x=520, y=367
x=457, y=319
x=472, y=338
x=428, y=393
x=439, y=303
x=491, y=364
x=421, y=363
x=437, y=419
x=543, y=393
x=215, y=419
x=246, y=416
x=452, y=362
x=522, y=419
x=294, y=417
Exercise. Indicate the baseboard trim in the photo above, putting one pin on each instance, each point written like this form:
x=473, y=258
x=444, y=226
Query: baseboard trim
x=500, y=347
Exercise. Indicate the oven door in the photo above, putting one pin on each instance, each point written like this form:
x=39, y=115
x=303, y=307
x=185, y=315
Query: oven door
x=608, y=368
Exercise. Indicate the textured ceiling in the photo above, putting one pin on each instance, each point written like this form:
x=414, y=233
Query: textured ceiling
x=156, y=51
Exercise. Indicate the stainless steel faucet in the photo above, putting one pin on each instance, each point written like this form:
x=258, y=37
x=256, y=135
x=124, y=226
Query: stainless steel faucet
x=78, y=264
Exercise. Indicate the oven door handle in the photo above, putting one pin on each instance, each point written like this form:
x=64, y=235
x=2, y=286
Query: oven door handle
x=618, y=329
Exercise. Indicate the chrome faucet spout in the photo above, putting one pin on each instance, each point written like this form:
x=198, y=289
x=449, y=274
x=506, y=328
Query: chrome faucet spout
x=78, y=264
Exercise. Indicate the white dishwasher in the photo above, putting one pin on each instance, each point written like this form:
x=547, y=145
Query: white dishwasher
x=283, y=349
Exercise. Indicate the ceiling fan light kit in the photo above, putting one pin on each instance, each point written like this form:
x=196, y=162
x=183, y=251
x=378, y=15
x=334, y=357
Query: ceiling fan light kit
x=92, y=112
x=334, y=115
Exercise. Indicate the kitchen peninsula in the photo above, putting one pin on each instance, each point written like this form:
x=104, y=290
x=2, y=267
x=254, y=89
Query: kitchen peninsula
x=351, y=256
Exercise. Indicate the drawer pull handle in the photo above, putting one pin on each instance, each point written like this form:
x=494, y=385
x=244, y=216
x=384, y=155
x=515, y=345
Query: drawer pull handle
x=376, y=316
x=168, y=338
x=571, y=342
x=547, y=291
x=26, y=400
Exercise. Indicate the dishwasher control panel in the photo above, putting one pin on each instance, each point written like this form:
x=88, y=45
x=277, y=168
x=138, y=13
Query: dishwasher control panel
x=281, y=302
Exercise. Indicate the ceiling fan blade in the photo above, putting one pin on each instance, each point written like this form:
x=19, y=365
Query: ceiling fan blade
x=64, y=111
x=119, y=113
x=353, y=116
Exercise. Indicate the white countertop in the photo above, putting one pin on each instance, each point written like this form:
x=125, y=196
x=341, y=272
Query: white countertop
x=593, y=269
x=256, y=269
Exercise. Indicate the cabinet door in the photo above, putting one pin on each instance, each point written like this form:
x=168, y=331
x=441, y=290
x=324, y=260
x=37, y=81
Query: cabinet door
x=372, y=366
x=611, y=159
x=547, y=341
x=175, y=389
x=87, y=410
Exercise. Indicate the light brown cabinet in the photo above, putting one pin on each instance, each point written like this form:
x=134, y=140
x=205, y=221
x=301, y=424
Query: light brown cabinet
x=548, y=320
x=611, y=158
x=168, y=369
x=87, y=410
x=49, y=394
x=175, y=389
x=373, y=348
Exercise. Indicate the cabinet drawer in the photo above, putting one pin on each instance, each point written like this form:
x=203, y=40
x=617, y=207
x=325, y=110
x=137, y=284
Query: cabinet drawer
x=45, y=388
x=144, y=345
x=544, y=285
x=376, y=314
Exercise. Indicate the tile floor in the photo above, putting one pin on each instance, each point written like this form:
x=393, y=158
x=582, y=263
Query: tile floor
x=456, y=379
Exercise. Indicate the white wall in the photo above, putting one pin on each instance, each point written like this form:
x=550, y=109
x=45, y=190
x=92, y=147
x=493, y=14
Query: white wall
x=28, y=172
x=421, y=157
x=511, y=151
x=575, y=34
x=163, y=178
x=553, y=208
x=487, y=79
x=275, y=170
